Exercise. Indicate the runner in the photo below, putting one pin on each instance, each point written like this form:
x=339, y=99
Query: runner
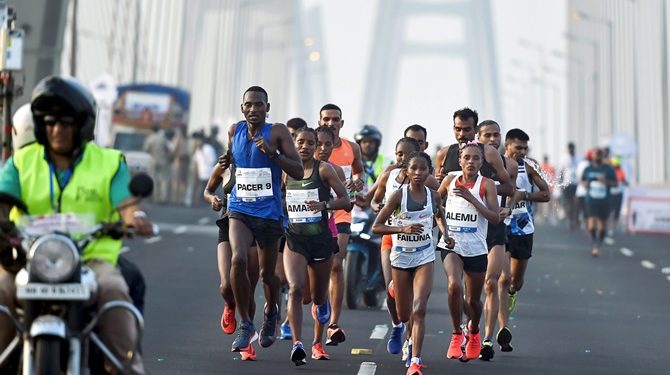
x=488, y=132
x=520, y=229
x=310, y=241
x=419, y=133
x=226, y=178
x=347, y=155
x=569, y=179
x=597, y=178
x=285, y=328
x=411, y=210
x=389, y=182
x=260, y=152
x=471, y=204
x=617, y=194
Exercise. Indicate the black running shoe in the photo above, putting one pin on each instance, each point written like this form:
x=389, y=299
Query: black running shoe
x=269, y=328
x=298, y=354
x=504, y=337
x=486, y=354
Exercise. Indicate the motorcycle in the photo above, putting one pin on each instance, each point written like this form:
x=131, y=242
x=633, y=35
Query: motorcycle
x=363, y=274
x=56, y=322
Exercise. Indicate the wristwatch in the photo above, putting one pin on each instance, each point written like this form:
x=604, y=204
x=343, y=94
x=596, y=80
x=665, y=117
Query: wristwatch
x=526, y=195
x=327, y=206
x=275, y=154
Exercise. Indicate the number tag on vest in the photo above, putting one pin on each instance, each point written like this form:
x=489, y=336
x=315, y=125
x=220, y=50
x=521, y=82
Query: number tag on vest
x=409, y=243
x=597, y=190
x=253, y=184
x=520, y=208
x=298, y=211
x=461, y=215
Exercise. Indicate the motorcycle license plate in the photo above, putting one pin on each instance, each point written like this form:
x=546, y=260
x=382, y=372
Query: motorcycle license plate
x=62, y=292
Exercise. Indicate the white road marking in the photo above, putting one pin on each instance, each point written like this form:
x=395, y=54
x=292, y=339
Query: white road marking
x=665, y=270
x=180, y=229
x=648, y=265
x=668, y=278
x=124, y=249
x=627, y=252
x=367, y=368
x=379, y=332
x=203, y=220
x=609, y=241
x=154, y=239
x=191, y=229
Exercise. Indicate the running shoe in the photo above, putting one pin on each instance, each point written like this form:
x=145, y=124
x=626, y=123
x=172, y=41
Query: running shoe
x=408, y=360
x=321, y=313
x=318, y=353
x=595, y=252
x=415, y=369
x=228, y=321
x=465, y=328
x=245, y=333
x=248, y=354
x=511, y=302
x=486, y=354
x=455, y=346
x=504, y=337
x=285, y=331
x=298, y=354
x=473, y=347
x=394, y=345
x=269, y=328
x=391, y=289
x=335, y=335
x=406, y=352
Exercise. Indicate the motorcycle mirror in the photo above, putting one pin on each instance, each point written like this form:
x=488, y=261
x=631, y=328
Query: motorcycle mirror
x=141, y=185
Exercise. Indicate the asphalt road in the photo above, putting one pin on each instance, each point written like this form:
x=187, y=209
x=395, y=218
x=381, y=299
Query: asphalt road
x=575, y=315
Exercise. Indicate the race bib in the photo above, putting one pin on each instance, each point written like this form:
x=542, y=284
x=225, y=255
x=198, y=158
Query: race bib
x=410, y=243
x=597, y=190
x=298, y=211
x=461, y=216
x=253, y=184
x=520, y=208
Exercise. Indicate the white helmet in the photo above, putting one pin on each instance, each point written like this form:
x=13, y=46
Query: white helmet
x=23, y=127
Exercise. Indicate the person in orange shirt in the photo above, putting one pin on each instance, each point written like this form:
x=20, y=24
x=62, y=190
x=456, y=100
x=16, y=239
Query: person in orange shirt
x=346, y=154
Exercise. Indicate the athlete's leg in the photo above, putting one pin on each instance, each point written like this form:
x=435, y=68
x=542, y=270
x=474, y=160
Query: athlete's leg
x=518, y=271
x=422, y=285
x=386, y=269
x=253, y=267
x=223, y=257
x=453, y=267
x=337, y=278
x=267, y=261
x=474, y=283
x=241, y=239
x=295, y=274
x=504, y=285
x=496, y=261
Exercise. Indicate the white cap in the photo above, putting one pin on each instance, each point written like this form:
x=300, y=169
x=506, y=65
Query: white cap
x=23, y=127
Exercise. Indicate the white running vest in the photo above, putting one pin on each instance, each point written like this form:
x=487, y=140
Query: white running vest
x=413, y=250
x=466, y=225
x=521, y=222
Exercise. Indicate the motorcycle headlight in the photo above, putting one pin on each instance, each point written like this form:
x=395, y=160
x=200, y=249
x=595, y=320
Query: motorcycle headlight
x=53, y=258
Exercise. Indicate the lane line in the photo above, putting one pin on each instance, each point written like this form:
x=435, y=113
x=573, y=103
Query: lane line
x=180, y=229
x=647, y=264
x=367, y=368
x=665, y=270
x=153, y=239
x=191, y=229
x=379, y=332
x=609, y=241
x=627, y=252
x=203, y=220
x=668, y=278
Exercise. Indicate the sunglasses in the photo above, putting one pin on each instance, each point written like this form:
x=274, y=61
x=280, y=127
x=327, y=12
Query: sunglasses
x=50, y=120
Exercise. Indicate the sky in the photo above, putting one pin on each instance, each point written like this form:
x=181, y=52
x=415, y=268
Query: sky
x=348, y=30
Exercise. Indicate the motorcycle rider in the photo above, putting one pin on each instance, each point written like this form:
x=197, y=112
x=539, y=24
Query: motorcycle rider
x=84, y=178
x=369, y=138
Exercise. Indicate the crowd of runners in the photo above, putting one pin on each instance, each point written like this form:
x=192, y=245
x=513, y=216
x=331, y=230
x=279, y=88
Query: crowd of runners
x=286, y=202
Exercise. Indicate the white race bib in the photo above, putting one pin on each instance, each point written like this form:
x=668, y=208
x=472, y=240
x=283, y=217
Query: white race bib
x=298, y=211
x=461, y=215
x=253, y=184
x=597, y=190
x=410, y=243
x=520, y=208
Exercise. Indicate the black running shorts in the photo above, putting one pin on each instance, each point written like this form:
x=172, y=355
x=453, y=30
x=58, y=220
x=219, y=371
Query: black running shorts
x=475, y=264
x=520, y=247
x=496, y=235
x=314, y=248
x=267, y=232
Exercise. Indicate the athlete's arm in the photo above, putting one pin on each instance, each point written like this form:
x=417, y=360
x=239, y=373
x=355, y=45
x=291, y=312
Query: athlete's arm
x=227, y=158
x=439, y=162
x=491, y=210
x=432, y=183
x=492, y=156
x=288, y=159
x=444, y=186
x=215, y=179
x=357, y=171
x=331, y=180
x=379, y=192
x=439, y=212
x=391, y=205
x=538, y=196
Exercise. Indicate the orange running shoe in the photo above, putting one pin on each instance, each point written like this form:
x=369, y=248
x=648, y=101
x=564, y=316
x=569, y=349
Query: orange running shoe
x=318, y=353
x=249, y=354
x=474, y=346
x=455, y=346
x=335, y=335
x=228, y=321
x=415, y=369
